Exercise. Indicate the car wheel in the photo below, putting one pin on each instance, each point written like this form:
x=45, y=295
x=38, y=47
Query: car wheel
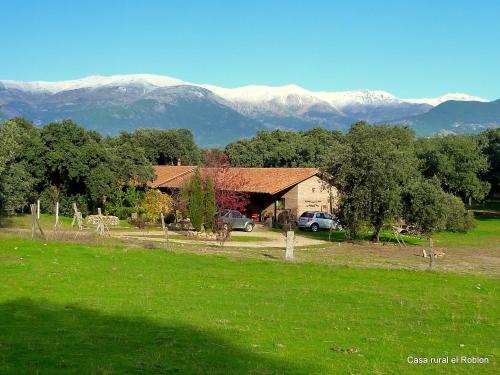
x=314, y=227
x=249, y=227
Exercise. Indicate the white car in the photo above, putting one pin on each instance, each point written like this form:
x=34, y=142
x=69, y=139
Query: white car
x=316, y=220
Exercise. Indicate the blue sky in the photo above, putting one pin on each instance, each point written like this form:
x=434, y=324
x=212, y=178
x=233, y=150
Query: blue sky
x=409, y=48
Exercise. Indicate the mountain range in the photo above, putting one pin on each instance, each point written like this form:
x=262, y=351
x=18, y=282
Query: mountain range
x=218, y=115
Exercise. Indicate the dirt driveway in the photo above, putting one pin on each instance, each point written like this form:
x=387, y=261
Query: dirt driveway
x=260, y=237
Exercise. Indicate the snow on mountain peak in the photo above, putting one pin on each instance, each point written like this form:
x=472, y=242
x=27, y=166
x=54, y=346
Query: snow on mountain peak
x=358, y=97
x=257, y=94
x=441, y=99
x=253, y=95
x=93, y=82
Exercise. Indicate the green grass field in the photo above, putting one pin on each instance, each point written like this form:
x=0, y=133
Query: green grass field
x=485, y=234
x=88, y=309
x=47, y=222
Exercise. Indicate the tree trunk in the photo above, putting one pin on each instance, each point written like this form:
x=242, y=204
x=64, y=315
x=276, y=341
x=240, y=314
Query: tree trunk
x=376, y=234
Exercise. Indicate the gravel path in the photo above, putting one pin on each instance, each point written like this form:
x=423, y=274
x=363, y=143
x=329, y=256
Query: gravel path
x=273, y=239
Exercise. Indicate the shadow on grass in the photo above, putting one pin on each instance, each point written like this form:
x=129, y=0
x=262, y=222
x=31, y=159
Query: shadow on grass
x=487, y=215
x=336, y=236
x=43, y=338
x=6, y=222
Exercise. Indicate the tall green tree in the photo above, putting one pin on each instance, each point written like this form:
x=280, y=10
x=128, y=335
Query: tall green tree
x=8, y=144
x=280, y=148
x=165, y=146
x=458, y=162
x=210, y=205
x=22, y=165
x=371, y=171
x=430, y=210
x=195, y=198
x=490, y=139
x=81, y=164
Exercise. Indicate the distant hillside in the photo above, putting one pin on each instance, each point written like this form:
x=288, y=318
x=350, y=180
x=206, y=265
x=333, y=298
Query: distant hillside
x=456, y=116
x=218, y=115
x=111, y=109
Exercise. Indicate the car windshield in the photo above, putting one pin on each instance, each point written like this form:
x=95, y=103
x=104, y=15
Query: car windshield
x=223, y=212
x=307, y=214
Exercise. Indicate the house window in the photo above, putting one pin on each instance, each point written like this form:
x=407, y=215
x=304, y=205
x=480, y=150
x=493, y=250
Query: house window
x=313, y=190
x=281, y=204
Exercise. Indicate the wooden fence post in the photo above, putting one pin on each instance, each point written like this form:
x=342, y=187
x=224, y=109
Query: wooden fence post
x=165, y=229
x=431, y=254
x=77, y=217
x=290, y=238
x=101, y=227
x=35, y=224
x=57, y=216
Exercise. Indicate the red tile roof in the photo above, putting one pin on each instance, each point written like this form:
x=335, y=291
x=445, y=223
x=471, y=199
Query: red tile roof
x=252, y=180
x=167, y=173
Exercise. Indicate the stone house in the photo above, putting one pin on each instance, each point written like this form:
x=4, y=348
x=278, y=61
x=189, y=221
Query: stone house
x=273, y=192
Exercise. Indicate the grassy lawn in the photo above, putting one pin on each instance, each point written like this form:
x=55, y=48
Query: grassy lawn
x=486, y=234
x=235, y=238
x=239, y=238
x=47, y=222
x=88, y=309
x=340, y=236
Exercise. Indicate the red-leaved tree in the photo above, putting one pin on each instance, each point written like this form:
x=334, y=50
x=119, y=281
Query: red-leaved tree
x=228, y=183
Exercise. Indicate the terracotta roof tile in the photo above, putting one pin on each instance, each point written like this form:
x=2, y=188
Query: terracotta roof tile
x=166, y=173
x=254, y=180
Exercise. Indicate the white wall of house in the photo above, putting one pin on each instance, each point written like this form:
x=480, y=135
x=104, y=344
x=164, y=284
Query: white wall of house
x=315, y=195
x=312, y=194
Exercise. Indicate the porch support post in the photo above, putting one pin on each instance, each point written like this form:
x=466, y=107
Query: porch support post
x=275, y=206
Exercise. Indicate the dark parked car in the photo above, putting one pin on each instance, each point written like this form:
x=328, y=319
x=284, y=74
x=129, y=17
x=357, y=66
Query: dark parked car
x=236, y=220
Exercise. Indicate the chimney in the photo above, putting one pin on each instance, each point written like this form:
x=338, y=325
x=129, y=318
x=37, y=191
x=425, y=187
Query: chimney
x=179, y=162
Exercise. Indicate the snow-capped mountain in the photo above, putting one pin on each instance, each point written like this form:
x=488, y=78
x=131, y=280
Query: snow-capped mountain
x=215, y=114
x=452, y=96
x=147, y=80
x=289, y=94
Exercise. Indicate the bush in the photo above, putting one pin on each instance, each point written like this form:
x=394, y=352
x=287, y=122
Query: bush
x=124, y=213
x=51, y=195
x=48, y=199
x=153, y=204
x=458, y=219
x=66, y=204
x=139, y=222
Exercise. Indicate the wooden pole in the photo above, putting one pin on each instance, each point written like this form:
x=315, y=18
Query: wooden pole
x=290, y=238
x=165, y=229
x=57, y=215
x=33, y=216
x=431, y=255
x=77, y=217
x=35, y=224
x=100, y=223
x=38, y=209
x=75, y=210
